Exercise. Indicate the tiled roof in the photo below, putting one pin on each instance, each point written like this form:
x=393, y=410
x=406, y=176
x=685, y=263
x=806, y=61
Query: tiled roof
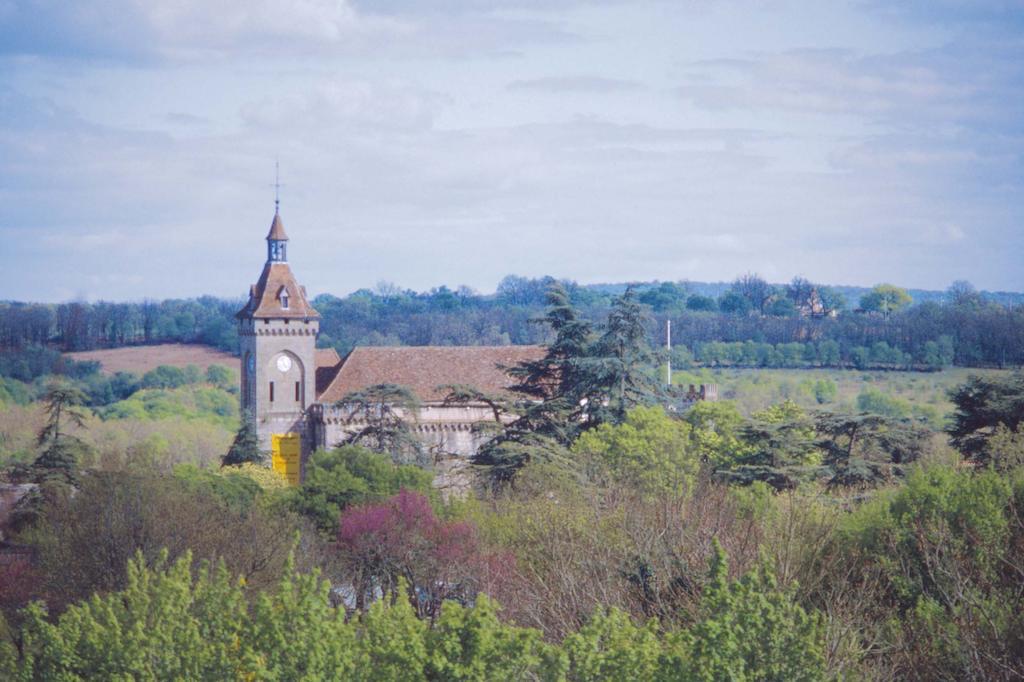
x=424, y=368
x=277, y=230
x=327, y=364
x=264, y=299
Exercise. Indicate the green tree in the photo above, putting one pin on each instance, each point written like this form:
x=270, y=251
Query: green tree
x=734, y=303
x=983, y=404
x=472, y=644
x=621, y=367
x=752, y=630
x=610, y=646
x=874, y=401
x=554, y=390
x=779, y=444
x=349, y=475
x=650, y=451
x=246, y=445
x=221, y=377
x=382, y=417
x=885, y=299
x=715, y=432
x=60, y=449
x=868, y=448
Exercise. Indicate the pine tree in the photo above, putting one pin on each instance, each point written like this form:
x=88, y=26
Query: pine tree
x=552, y=389
x=59, y=449
x=619, y=374
x=246, y=446
x=382, y=414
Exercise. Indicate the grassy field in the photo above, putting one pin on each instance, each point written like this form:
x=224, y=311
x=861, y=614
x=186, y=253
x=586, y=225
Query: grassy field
x=141, y=359
x=922, y=393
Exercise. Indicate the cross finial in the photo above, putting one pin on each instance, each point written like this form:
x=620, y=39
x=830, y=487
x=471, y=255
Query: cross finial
x=277, y=186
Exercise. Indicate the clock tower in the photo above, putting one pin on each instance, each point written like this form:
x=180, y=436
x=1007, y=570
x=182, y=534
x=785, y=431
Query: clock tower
x=277, y=331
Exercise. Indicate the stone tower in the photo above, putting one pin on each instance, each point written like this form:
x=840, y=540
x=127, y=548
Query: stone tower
x=277, y=331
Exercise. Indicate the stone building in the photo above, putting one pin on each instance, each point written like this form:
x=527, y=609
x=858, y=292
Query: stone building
x=288, y=386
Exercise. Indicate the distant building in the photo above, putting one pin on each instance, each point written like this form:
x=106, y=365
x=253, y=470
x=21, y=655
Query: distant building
x=815, y=307
x=289, y=386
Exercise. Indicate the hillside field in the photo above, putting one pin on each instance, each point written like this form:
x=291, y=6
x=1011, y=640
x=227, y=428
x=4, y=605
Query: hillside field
x=141, y=359
x=922, y=393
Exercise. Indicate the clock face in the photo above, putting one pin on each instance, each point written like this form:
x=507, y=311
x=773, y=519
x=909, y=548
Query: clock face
x=284, y=363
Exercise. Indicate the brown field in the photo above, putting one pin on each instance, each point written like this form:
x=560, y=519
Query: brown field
x=141, y=359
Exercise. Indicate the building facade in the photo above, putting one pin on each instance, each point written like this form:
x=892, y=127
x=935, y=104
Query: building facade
x=289, y=387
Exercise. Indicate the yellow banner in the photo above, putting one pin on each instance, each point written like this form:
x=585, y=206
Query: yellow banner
x=286, y=449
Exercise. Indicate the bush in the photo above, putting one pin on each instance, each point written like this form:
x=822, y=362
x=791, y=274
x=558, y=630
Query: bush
x=874, y=401
x=650, y=451
x=336, y=479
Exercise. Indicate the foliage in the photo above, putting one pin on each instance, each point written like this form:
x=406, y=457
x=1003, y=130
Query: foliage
x=192, y=402
x=555, y=392
x=114, y=515
x=246, y=446
x=983, y=404
x=874, y=401
x=650, y=452
x=221, y=377
x=751, y=630
x=885, y=299
x=402, y=538
x=60, y=449
x=611, y=647
x=949, y=549
x=266, y=478
x=715, y=432
x=166, y=376
x=350, y=475
x=171, y=621
x=620, y=365
x=866, y=448
x=382, y=417
x=780, y=448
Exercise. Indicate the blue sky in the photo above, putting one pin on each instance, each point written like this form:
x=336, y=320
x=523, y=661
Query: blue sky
x=456, y=141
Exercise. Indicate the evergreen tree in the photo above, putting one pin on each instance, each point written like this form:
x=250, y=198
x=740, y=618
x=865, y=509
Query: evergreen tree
x=983, y=405
x=59, y=449
x=383, y=414
x=246, y=446
x=619, y=372
x=549, y=414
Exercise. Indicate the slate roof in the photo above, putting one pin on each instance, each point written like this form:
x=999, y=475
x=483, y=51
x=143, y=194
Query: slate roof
x=328, y=362
x=264, y=300
x=277, y=230
x=424, y=368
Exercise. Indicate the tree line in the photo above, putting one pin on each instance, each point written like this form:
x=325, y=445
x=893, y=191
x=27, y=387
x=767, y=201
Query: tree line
x=965, y=328
x=620, y=534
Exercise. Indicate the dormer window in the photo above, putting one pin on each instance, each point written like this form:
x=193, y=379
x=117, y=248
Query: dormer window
x=283, y=297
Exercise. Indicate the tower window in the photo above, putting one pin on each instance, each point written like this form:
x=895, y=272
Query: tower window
x=271, y=391
x=297, y=391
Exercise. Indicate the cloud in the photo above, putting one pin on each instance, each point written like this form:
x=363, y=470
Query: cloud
x=837, y=82
x=574, y=84
x=140, y=30
x=418, y=144
x=346, y=103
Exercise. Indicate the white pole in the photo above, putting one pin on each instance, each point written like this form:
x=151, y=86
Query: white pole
x=668, y=355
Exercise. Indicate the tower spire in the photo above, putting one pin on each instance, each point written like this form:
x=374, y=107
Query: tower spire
x=277, y=186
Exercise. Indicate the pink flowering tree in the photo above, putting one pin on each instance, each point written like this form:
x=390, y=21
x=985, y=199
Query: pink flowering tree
x=403, y=538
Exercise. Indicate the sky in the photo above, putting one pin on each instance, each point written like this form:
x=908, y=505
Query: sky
x=453, y=142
